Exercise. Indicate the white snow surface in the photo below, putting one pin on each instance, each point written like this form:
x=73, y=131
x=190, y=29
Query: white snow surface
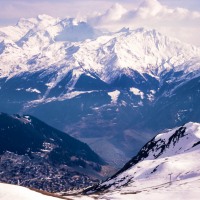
x=185, y=189
x=69, y=95
x=137, y=92
x=12, y=192
x=56, y=45
x=114, y=96
x=33, y=90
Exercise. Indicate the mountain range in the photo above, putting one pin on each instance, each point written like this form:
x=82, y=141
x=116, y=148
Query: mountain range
x=109, y=90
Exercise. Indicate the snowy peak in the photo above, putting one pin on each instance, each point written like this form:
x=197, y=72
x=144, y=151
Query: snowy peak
x=45, y=17
x=152, y=51
x=176, y=141
x=27, y=24
x=184, y=139
x=49, y=30
x=54, y=26
x=141, y=50
x=40, y=39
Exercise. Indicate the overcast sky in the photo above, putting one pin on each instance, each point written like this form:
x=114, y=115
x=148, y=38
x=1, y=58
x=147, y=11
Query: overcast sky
x=178, y=18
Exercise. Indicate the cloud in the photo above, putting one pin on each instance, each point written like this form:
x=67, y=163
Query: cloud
x=113, y=14
x=164, y=15
x=12, y=10
x=177, y=22
x=15, y=9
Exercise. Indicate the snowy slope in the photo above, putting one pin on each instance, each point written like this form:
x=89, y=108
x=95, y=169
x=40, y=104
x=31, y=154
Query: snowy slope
x=187, y=189
x=8, y=192
x=172, y=152
x=167, y=166
x=56, y=47
x=184, y=189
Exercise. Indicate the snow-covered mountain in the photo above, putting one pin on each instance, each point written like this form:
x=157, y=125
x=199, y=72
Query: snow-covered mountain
x=166, y=166
x=107, y=89
x=68, y=44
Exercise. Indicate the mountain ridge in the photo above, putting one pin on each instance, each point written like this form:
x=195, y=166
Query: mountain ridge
x=165, y=154
x=149, y=50
x=36, y=155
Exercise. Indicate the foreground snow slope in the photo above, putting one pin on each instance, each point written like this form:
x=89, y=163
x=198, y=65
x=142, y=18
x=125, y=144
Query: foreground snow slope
x=11, y=192
x=187, y=189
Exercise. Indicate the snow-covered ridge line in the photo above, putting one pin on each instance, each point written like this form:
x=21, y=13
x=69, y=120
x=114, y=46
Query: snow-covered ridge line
x=61, y=45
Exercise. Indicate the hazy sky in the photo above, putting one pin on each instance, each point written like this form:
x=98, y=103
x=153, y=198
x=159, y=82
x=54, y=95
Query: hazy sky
x=178, y=18
x=11, y=10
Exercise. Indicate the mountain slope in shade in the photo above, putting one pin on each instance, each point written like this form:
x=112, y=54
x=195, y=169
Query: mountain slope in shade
x=169, y=158
x=36, y=155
